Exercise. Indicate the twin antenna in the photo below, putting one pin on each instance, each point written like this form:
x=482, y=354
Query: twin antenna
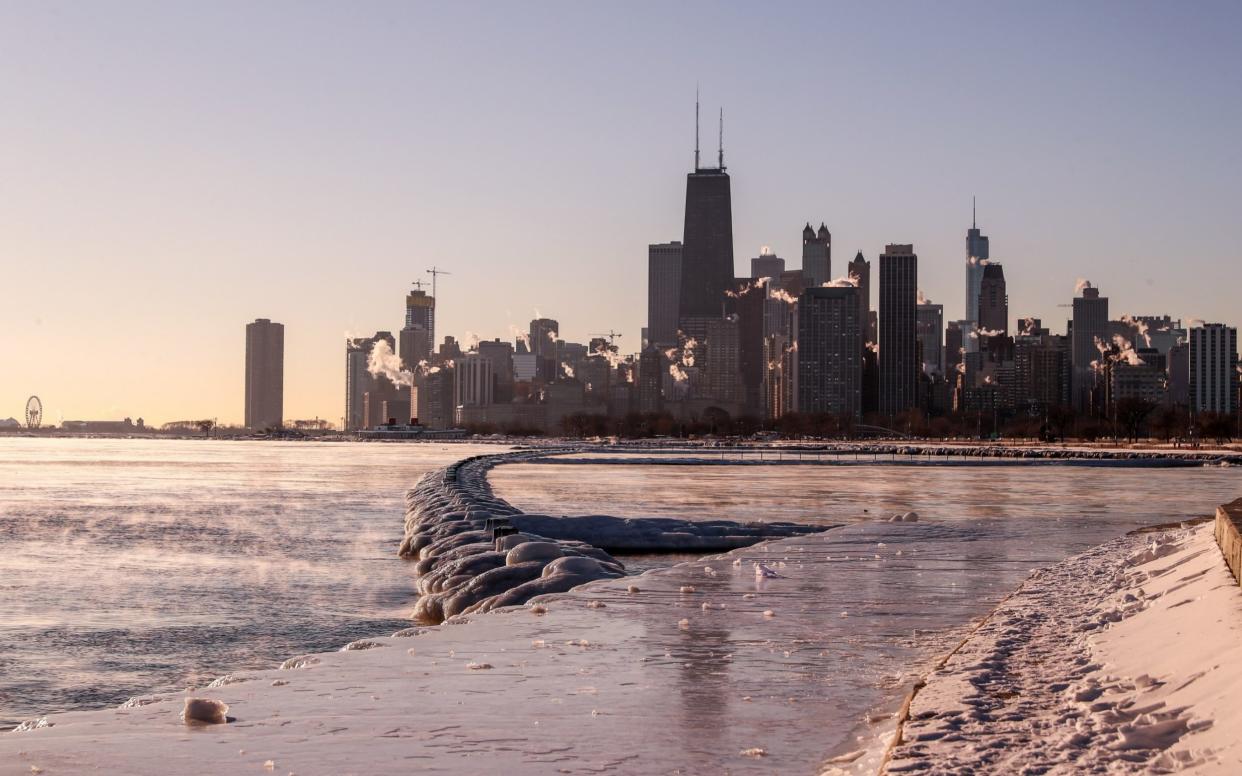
x=720, y=153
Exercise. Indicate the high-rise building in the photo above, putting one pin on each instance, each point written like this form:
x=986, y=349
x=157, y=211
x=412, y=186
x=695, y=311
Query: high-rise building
x=767, y=265
x=415, y=346
x=420, y=310
x=723, y=372
x=816, y=255
x=544, y=335
x=474, y=382
x=433, y=397
x=955, y=335
x=899, y=364
x=663, y=292
x=1041, y=371
x=450, y=348
x=830, y=351
x=749, y=307
x=1090, y=324
x=265, y=374
x=1213, y=368
x=358, y=380
x=977, y=253
x=993, y=305
x=707, y=242
x=930, y=326
x=1177, y=362
x=860, y=272
x=650, y=379
x=501, y=355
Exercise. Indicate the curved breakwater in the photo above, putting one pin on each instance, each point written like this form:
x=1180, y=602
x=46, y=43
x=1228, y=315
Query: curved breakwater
x=475, y=552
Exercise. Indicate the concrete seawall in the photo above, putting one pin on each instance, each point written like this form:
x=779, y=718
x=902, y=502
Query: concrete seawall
x=1228, y=530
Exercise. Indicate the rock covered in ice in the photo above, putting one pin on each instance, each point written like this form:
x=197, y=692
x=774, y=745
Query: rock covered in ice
x=466, y=563
x=205, y=711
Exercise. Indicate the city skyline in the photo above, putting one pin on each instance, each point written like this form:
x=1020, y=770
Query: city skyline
x=147, y=299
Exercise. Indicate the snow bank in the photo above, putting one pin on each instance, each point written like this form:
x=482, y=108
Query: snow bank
x=1126, y=657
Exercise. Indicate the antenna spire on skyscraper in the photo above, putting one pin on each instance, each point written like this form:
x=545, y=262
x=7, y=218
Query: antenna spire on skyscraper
x=696, y=127
x=973, y=222
x=720, y=153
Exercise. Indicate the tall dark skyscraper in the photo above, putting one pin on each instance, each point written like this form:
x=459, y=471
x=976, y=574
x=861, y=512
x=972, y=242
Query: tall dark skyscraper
x=418, y=336
x=931, y=333
x=899, y=361
x=663, y=292
x=265, y=374
x=993, y=302
x=860, y=269
x=707, y=242
x=977, y=253
x=1090, y=324
x=830, y=351
x=816, y=255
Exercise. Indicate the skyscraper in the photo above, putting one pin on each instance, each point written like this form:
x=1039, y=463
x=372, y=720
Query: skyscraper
x=650, y=380
x=663, y=292
x=1213, y=368
x=816, y=255
x=750, y=307
x=501, y=355
x=707, y=242
x=954, y=343
x=767, y=265
x=418, y=336
x=930, y=318
x=830, y=351
x=544, y=333
x=993, y=302
x=1090, y=324
x=976, y=260
x=860, y=270
x=723, y=377
x=359, y=383
x=899, y=364
x=420, y=310
x=473, y=382
x=265, y=374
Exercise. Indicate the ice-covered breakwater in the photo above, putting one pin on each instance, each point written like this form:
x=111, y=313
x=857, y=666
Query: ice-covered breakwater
x=475, y=552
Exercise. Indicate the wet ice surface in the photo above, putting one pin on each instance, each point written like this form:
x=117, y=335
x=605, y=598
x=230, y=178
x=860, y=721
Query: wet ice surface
x=128, y=566
x=1069, y=508
x=686, y=673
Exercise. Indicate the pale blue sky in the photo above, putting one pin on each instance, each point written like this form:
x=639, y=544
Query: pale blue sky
x=172, y=170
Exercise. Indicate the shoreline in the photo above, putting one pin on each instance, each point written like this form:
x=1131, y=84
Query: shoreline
x=589, y=646
x=1124, y=656
x=1000, y=449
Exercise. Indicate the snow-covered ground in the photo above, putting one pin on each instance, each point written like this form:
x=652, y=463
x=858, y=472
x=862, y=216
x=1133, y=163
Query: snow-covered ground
x=1127, y=657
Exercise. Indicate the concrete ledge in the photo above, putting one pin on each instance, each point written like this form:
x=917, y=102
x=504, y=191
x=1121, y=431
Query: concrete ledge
x=1228, y=532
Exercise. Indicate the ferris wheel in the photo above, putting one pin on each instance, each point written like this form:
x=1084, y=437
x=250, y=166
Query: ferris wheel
x=34, y=412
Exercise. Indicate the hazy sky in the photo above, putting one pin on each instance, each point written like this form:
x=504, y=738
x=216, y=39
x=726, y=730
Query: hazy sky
x=170, y=171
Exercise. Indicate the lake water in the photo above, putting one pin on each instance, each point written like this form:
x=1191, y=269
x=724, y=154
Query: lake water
x=128, y=566
x=131, y=566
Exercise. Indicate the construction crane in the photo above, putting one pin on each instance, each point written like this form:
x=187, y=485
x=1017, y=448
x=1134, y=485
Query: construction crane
x=436, y=272
x=611, y=335
x=419, y=285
